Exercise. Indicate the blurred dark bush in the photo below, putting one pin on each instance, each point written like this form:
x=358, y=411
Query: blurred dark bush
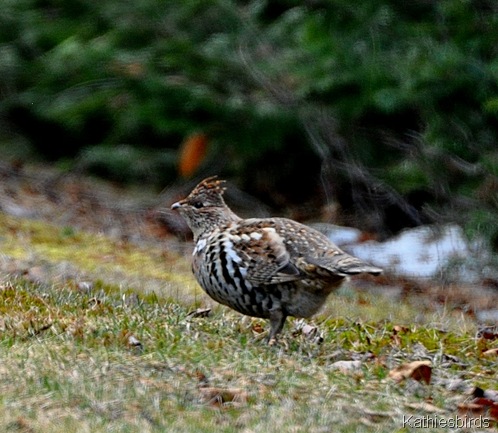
x=388, y=108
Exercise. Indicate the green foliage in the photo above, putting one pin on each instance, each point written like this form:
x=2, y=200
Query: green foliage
x=128, y=164
x=409, y=91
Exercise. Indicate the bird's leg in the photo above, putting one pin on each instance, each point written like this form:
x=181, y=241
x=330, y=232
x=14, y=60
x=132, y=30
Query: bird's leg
x=277, y=321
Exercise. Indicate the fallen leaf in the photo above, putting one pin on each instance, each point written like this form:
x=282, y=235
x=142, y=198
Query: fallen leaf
x=257, y=328
x=215, y=396
x=311, y=332
x=397, y=329
x=484, y=403
x=470, y=409
x=425, y=407
x=490, y=352
x=417, y=370
x=488, y=332
x=479, y=407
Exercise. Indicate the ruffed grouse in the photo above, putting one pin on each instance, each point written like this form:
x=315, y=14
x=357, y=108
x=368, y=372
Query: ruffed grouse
x=263, y=267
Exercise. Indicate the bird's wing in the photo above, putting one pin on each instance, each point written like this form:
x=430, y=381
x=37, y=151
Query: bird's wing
x=271, y=259
x=265, y=257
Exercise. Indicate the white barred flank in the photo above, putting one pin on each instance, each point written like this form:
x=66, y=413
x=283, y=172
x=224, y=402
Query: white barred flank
x=199, y=246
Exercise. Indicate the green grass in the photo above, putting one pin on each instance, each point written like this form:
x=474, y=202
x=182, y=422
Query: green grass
x=66, y=365
x=68, y=362
x=145, y=268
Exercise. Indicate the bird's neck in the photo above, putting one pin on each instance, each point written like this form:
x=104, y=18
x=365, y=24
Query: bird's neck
x=215, y=221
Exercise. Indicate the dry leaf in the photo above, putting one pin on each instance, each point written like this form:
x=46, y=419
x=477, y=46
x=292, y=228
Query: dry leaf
x=470, y=409
x=425, y=406
x=192, y=153
x=215, y=396
x=311, y=332
x=479, y=407
x=417, y=370
x=490, y=352
x=94, y=302
x=397, y=329
x=488, y=332
x=257, y=328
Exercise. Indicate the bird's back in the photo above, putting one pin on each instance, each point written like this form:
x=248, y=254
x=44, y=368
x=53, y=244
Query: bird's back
x=307, y=245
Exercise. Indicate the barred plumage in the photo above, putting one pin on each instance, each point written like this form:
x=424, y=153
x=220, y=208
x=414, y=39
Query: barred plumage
x=269, y=267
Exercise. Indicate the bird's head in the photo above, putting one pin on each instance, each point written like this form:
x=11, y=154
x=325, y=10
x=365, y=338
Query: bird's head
x=204, y=208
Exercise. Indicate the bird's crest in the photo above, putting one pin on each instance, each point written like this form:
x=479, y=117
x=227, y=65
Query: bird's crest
x=208, y=186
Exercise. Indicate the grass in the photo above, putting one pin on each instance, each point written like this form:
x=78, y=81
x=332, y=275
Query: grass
x=110, y=357
x=147, y=269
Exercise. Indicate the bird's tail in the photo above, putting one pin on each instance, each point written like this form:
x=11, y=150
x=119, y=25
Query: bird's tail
x=344, y=265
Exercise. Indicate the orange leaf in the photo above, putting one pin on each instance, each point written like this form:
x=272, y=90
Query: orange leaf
x=480, y=406
x=192, y=152
x=417, y=370
x=257, y=328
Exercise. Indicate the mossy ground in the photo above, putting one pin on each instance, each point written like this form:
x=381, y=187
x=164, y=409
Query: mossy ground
x=121, y=353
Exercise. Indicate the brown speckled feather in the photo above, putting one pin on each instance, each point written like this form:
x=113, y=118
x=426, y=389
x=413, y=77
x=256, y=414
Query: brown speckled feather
x=270, y=267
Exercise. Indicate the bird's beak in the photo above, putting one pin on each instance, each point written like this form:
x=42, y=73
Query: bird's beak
x=176, y=205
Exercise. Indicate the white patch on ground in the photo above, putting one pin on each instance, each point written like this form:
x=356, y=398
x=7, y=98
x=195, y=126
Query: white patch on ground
x=420, y=252
x=337, y=234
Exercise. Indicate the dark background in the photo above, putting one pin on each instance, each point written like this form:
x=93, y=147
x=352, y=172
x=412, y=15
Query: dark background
x=380, y=114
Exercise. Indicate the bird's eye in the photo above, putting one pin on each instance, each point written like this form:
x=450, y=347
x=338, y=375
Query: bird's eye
x=198, y=204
